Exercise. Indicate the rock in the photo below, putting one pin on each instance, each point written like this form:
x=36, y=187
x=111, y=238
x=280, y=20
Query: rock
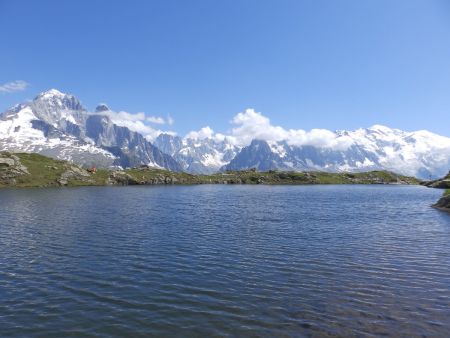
x=443, y=203
x=74, y=173
x=7, y=161
x=443, y=183
x=121, y=178
x=23, y=169
x=62, y=182
x=283, y=175
x=79, y=171
x=101, y=108
x=10, y=169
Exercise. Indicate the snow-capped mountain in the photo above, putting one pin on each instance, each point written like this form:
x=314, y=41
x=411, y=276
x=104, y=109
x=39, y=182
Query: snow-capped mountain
x=199, y=156
x=421, y=153
x=57, y=125
x=257, y=155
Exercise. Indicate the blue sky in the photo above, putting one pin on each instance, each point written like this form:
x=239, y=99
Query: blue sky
x=304, y=64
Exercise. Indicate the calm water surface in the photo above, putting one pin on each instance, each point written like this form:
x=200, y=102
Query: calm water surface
x=224, y=261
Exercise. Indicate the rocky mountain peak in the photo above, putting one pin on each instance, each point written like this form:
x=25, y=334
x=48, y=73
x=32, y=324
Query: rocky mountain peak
x=50, y=94
x=102, y=107
x=54, y=100
x=57, y=108
x=57, y=125
x=260, y=145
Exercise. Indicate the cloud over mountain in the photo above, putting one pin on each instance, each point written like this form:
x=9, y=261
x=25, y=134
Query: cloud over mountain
x=58, y=125
x=138, y=122
x=250, y=124
x=14, y=86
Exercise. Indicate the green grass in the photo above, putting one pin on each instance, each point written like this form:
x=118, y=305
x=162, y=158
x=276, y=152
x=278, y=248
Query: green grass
x=43, y=171
x=46, y=172
x=145, y=174
x=447, y=193
x=275, y=177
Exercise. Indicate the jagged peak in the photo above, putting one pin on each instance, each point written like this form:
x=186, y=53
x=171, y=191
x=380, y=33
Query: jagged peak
x=53, y=100
x=168, y=136
x=102, y=107
x=379, y=127
x=50, y=93
x=257, y=142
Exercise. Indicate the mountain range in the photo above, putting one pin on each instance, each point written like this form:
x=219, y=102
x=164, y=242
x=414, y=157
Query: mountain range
x=58, y=125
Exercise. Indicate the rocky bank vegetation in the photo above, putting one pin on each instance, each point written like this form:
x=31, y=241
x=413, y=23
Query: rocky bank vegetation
x=443, y=183
x=34, y=170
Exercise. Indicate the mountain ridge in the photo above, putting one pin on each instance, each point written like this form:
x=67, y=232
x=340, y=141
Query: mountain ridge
x=421, y=153
x=58, y=125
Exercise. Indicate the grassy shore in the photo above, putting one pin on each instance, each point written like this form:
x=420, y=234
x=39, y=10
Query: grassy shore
x=34, y=170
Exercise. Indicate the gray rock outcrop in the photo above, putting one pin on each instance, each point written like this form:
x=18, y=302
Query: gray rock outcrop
x=11, y=168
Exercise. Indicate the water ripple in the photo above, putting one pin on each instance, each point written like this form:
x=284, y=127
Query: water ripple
x=318, y=261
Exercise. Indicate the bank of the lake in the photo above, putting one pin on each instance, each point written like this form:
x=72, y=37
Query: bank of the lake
x=34, y=170
x=444, y=202
x=443, y=183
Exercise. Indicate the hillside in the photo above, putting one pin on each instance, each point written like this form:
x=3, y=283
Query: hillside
x=35, y=170
x=443, y=183
x=444, y=202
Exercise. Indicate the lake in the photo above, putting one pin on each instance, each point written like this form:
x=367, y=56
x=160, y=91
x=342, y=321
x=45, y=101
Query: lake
x=218, y=260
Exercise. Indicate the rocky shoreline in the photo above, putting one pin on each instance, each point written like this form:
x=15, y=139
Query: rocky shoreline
x=34, y=170
x=443, y=203
x=443, y=183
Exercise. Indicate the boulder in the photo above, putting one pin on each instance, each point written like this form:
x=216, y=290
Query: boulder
x=119, y=177
x=443, y=203
x=11, y=168
x=74, y=173
x=9, y=162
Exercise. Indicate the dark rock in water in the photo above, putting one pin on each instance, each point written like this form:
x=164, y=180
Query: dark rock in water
x=443, y=203
x=443, y=183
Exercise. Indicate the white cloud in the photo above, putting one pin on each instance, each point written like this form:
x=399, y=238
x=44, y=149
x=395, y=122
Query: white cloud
x=247, y=126
x=250, y=125
x=13, y=86
x=156, y=119
x=205, y=132
x=123, y=115
x=208, y=133
x=137, y=122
